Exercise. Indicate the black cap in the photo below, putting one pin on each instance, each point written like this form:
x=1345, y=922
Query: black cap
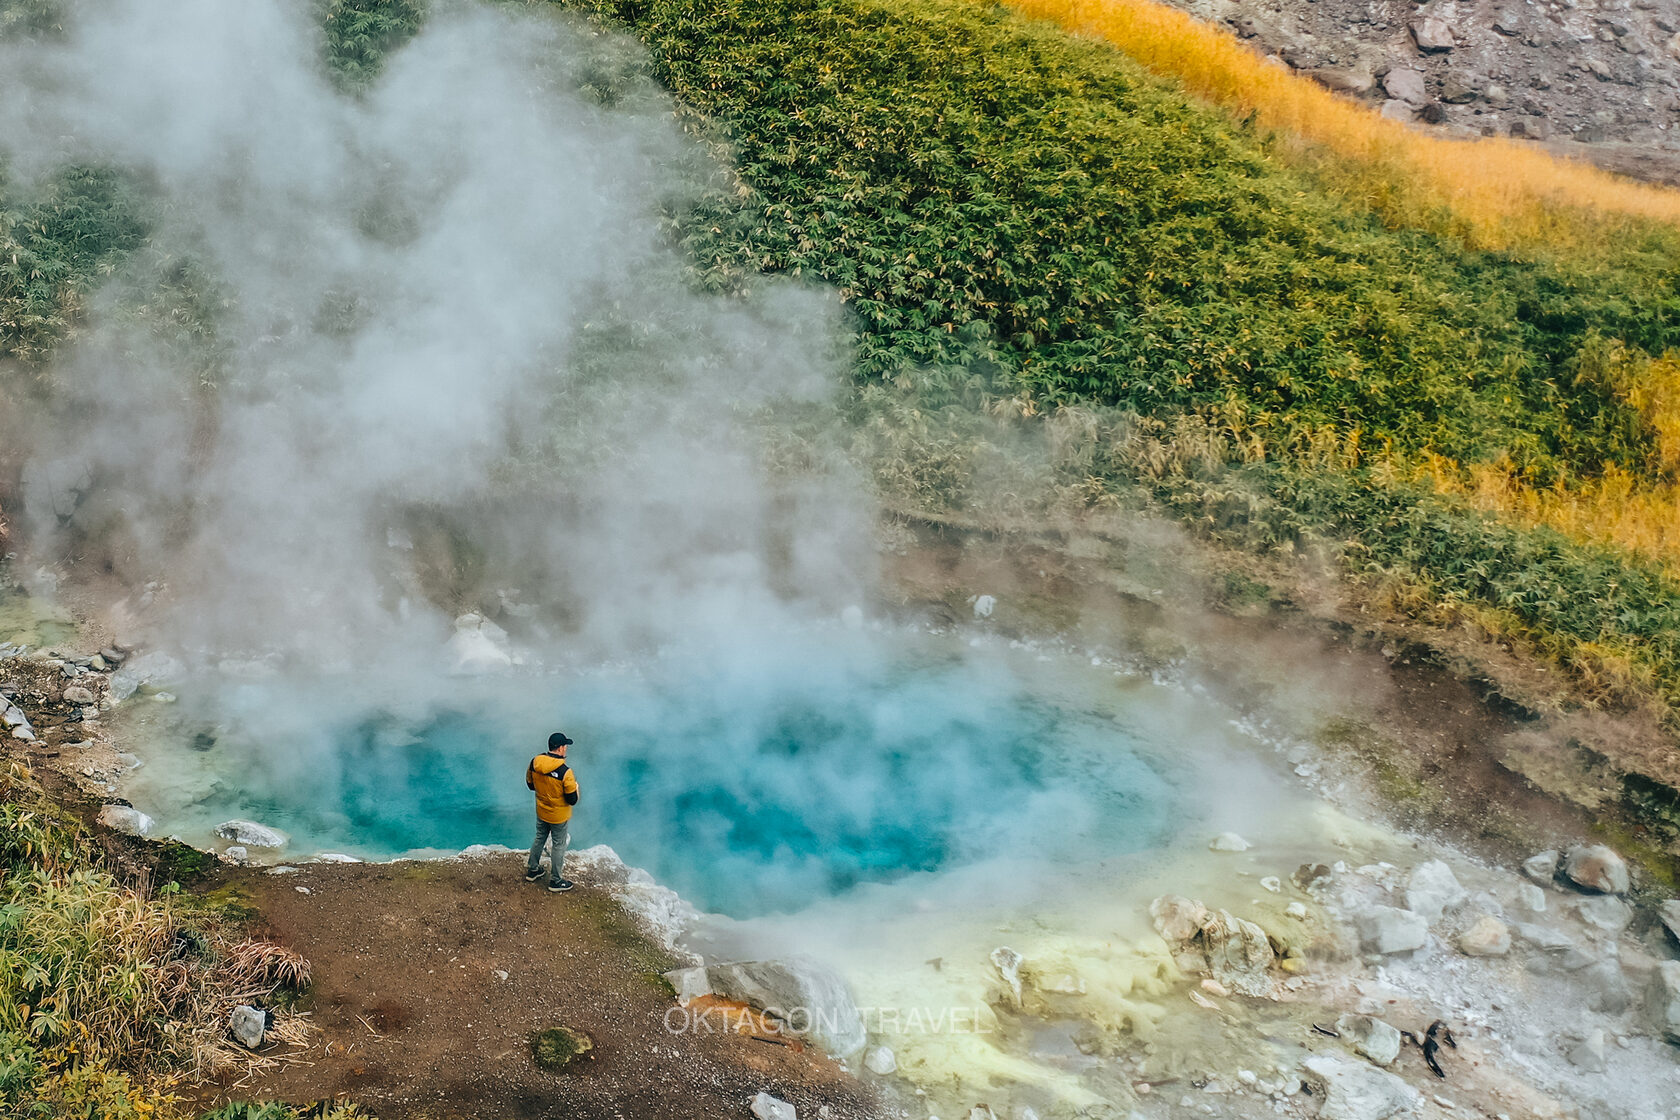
x=558, y=739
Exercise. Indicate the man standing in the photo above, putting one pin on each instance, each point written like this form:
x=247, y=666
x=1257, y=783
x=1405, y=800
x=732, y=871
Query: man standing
x=557, y=791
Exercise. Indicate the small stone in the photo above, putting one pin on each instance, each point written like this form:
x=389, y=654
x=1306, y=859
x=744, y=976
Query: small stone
x=1296, y=910
x=248, y=1026
x=97, y=663
x=1458, y=90
x=1433, y=113
x=1544, y=938
x=1595, y=867
x=164, y=697
x=984, y=605
x=1386, y=930
x=1373, y=1038
x=1542, y=868
x=1588, y=1053
x=1432, y=35
x=1432, y=889
x=1229, y=842
x=1486, y=937
x=880, y=1061
x=1272, y=883
x=1354, y=80
x=1607, y=913
x=237, y=854
x=766, y=1107
x=1531, y=898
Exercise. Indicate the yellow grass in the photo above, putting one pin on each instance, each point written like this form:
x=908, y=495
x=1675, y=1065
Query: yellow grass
x=1495, y=193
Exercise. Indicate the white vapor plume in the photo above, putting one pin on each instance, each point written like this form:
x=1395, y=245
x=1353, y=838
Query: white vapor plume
x=450, y=295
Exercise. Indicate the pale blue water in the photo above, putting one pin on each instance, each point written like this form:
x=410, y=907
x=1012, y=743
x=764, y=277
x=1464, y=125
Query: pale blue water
x=750, y=788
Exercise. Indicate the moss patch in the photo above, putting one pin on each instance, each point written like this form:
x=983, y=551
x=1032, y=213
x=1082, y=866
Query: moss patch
x=558, y=1047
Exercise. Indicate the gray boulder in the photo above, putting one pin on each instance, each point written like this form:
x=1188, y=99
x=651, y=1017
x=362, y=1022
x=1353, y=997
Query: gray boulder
x=123, y=818
x=1353, y=1090
x=1432, y=889
x=1542, y=868
x=1595, y=867
x=1665, y=1000
x=250, y=834
x=1669, y=912
x=1405, y=84
x=1386, y=930
x=248, y=1025
x=1373, y=1038
x=1607, y=913
x=1607, y=987
x=1396, y=110
x=812, y=1000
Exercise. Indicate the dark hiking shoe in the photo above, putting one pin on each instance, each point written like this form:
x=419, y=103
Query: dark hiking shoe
x=533, y=876
x=560, y=885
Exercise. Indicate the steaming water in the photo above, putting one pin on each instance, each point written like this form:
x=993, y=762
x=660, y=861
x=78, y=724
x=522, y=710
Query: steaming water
x=756, y=786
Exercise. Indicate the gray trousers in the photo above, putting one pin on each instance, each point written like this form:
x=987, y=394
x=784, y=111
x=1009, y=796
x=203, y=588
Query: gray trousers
x=562, y=834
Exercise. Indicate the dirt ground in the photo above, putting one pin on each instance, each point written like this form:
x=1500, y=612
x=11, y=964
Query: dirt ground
x=416, y=1020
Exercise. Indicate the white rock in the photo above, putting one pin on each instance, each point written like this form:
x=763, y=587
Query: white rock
x=251, y=834
x=1607, y=913
x=1433, y=34
x=335, y=857
x=248, y=1025
x=1385, y=929
x=1373, y=1038
x=1588, y=1053
x=813, y=1000
x=236, y=854
x=689, y=984
x=880, y=1061
x=1008, y=963
x=1432, y=889
x=1596, y=868
x=1296, y=910
x=1353, y=1090
x=1229, y=842
x=121, y=818
x=1531, y=898
x=1272, y=883
x=1177, y=919
x=984, y=605
x=766, y=1107
x=1486, y=937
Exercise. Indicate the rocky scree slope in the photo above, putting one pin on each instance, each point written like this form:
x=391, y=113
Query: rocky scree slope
x=1596, y=79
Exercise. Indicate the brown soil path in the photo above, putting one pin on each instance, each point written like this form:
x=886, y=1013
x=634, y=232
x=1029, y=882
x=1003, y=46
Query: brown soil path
x=416, y=1021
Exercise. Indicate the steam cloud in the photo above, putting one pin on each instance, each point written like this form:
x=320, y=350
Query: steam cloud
x=451, y=294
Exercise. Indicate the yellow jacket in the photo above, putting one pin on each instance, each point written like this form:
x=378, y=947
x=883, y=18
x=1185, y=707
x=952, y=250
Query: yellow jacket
x=556, y=786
